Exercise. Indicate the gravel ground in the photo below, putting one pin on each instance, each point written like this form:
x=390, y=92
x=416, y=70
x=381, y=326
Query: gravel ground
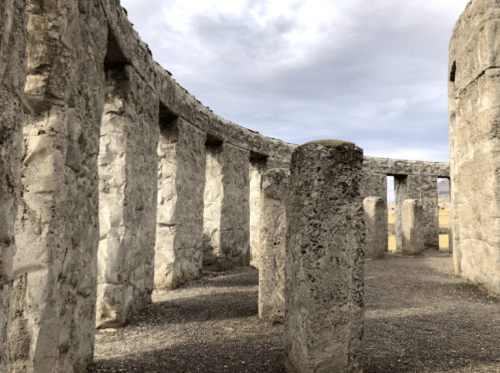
x=419, y=318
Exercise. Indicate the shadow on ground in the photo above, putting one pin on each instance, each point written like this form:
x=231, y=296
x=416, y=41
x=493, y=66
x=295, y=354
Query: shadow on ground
x=200, y=308
x=419, y=319
x=248, y=355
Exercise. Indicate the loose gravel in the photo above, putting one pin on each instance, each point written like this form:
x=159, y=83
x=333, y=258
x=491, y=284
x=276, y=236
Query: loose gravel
x=418, y=318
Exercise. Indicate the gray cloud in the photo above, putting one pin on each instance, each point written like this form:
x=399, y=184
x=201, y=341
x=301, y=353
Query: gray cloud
x=376, y=77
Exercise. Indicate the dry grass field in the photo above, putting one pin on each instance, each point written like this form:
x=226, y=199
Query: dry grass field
x=444, y=217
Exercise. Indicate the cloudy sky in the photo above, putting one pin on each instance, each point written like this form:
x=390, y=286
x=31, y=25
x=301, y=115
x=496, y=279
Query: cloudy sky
x=371, y=72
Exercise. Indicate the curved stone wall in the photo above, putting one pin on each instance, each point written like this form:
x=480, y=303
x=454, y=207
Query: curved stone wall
x=113, y=174
x=474, y=116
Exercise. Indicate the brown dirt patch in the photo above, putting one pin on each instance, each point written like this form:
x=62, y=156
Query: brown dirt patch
x=419, y=318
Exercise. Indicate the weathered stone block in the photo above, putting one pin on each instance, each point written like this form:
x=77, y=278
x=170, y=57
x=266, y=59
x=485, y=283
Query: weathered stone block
x=257, y=169
x=181, y=183
x=324, y=259
x=227, y=207
x=213, y=195
x=235, y=209
x=474, y=117
x=273, y=243
x=12, y=78
x=424, y=188
x=127, y=197
x=413, y=228
x=400, y=195
x=376, y=240
x=57, y=227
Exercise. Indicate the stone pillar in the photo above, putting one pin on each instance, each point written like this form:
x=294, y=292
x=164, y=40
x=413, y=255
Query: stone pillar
x=400, y=195
x=257, y=169
x=57, y=228
x=450, y=225
x=273, y=243
x=12, y=76
x=214, y=193
x=235, y=208
x=424, y=188
x=181, y=184
x=376, y=227
x=324, y=259
x=128, y=172
x=474, y=117
x=413, y=228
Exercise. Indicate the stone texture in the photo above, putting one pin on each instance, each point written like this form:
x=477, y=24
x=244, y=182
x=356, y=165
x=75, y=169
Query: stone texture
x=400, y=195
x=128, y=176
x=413, y=228
x=235, y=208
x=474, y=114
x=373, y=184
x=324, y=260
x=12, y=78
x=181, y=184
x=214, y=193
x=273, y=244
x=392, y=167
x=376, y=238
x=70, y=45
x=257, y=169
x=424, y=188
x=450, y=222
x=57, y=227
x=227, y=207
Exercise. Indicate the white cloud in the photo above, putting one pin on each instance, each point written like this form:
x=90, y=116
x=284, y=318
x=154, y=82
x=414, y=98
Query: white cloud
x=299, y=70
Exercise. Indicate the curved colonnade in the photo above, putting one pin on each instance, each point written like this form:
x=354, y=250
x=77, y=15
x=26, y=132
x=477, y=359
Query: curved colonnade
x=117, y=181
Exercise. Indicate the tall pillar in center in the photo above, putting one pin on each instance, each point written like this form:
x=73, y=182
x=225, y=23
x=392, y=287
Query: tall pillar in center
x=324, y=259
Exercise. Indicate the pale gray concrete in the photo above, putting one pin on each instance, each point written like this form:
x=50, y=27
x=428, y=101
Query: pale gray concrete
x=324, y=259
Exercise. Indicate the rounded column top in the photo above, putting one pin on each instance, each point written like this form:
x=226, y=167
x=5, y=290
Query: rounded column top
x=330, y=143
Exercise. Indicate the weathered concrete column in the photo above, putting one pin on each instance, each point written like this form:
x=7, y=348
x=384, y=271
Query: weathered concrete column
x=227, y=207
x=257, y=169
x=450, y=224
x=128, y=172
x=273, y=243
x=213, y=195
x=181, y=184
x=12, y=77
x=324, y=259
x=413, y=228
x=57, y=228
x=235, y=211
x=424, y=188
x=376, y=227
x=474, y=115
x=400, y=195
